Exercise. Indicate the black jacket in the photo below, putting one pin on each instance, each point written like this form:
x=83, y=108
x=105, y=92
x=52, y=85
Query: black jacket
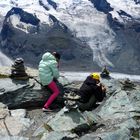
x=89, y=88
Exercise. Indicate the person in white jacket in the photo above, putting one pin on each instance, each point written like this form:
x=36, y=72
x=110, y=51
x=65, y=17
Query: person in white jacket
x=48, y=71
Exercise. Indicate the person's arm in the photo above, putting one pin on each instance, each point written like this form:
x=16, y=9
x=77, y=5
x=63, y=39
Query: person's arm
x=103, y=88
x=55, y=70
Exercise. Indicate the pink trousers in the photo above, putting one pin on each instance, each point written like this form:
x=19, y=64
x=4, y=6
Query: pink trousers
x=55, y=93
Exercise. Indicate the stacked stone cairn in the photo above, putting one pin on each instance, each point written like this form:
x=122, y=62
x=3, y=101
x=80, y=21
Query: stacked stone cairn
x=18, y=69
x=71, y=101
x=127, y=84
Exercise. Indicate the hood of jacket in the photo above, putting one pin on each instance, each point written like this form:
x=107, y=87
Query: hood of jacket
x=48, y=68
x=48, y=56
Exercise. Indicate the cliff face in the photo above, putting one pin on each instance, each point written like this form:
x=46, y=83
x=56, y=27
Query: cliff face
x=94, y=33
x=24, y=36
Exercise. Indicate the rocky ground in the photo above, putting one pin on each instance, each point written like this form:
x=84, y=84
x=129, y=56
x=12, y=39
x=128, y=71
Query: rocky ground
x=21, y=117
x=39, y=118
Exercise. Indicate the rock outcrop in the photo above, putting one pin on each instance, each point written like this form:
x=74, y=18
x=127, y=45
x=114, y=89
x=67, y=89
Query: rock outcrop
x=18, y=69
x=25, y=93
x=31, y=39
x=93, y=32
x=118, y=112
x=13, y=123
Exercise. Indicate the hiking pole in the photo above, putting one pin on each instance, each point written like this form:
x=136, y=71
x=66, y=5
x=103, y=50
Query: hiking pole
x=31, y=77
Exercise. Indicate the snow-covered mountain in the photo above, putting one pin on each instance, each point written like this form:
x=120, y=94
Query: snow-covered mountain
x=88, y=33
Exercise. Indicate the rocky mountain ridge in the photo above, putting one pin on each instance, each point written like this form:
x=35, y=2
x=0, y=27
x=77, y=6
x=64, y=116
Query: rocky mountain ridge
x=119, y=112
x=109, y=35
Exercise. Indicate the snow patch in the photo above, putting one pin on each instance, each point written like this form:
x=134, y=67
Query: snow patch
x=15, y=20
x=91, y=29
x=128, y=6
x=4, y=60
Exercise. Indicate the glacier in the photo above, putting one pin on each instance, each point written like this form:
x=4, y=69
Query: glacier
x=89, y=25
x=4, y=60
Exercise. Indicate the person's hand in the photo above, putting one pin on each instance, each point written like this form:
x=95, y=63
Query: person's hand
x=103, y=88
x=99, y=84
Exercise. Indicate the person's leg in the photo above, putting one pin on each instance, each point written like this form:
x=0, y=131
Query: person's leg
x=55, y=91
x=88, y=105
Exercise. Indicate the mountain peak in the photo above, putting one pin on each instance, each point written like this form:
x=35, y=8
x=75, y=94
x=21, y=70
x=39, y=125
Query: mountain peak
x=24, y=16
x=93, y=32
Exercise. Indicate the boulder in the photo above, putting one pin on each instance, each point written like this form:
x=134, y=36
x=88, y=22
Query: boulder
x=18, y=69
x=13, y=123
x=54, y=135
x=63, y=125
x=13, y=138
x=116, y=118
x=120, y=112
x=25, y=93
x=21, y=93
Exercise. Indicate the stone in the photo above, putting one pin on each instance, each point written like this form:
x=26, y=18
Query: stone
x=13, y=138
x=54, y=135
x=18, y=69
x=14, y=126
x=19, y=113
x=13, y=123
x=118, y=114
x=116, y=118
x=26, y=93
x=3, y=111
x=67, y=121
x=127, y=84
x=3, y=129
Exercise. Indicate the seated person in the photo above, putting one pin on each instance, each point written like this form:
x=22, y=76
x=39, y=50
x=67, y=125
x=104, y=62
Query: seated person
x=105, y=72
x=90, y=92
x=48, y=73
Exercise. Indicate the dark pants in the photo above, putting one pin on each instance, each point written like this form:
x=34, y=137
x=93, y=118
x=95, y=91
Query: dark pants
x=89, y=105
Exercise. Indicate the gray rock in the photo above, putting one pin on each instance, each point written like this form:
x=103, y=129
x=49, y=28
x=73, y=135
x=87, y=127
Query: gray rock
x=19, y=113
x=13, y=138
x=65, y=124
x=119, y=113
x=58, y=136
x=3, y=130
x=13, y=123
x=67, y=121
x=3, y=111
x=25, y=93
x=121, y=131
x=18, y=69
x=121, y=105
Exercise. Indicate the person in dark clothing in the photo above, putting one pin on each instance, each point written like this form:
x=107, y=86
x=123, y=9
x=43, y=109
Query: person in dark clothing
x=105, y=73
x=90, y=92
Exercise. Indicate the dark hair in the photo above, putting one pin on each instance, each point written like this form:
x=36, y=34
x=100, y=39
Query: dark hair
x=56, y=55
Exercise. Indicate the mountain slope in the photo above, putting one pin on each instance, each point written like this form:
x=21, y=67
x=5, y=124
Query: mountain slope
x=92, y=32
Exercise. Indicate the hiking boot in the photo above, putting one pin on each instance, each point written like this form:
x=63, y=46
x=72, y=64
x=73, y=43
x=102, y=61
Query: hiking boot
x=66, y=109
x=46, y=109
